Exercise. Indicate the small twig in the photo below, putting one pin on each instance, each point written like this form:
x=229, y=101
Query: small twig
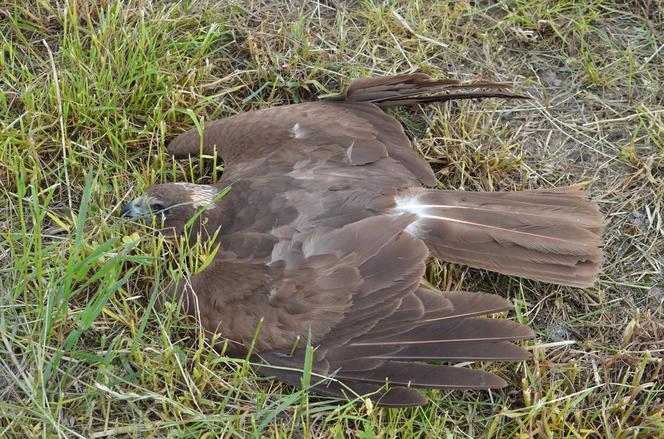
x=621, y=119
x=550, y=345
x=62, y=123
x=558, y=124
x=650, y=58
x=226, y=78
x=405, y=24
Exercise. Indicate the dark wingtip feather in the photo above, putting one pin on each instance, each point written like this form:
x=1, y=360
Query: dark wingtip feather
x=425, y=376
x=400, y=397
x=466, y=351
x=419, y=88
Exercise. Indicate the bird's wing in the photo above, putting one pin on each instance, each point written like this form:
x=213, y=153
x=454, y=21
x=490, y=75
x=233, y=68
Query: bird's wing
x=307, y=283
x=388, y=360
x=351, y=133
x=350, y=127
x=419, y=88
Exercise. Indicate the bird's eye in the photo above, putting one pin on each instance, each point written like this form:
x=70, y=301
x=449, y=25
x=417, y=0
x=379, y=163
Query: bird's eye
x=156, y=207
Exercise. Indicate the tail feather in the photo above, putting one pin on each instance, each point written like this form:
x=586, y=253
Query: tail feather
x=578, y=273
x=416, y=88
x=552, y=236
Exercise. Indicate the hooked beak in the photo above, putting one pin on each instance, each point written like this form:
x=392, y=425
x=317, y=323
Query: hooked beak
x=126, y=210
x=135, y=209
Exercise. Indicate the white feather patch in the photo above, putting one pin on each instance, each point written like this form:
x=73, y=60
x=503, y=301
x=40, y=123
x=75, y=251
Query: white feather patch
x=297, y=132
x=200, y=195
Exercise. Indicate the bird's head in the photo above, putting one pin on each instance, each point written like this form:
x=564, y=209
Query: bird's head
x=173, y=205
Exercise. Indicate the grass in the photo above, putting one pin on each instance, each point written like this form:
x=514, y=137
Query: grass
x=90, y=93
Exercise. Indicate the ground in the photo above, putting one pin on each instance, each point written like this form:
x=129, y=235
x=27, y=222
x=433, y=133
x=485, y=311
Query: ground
x=91, y=92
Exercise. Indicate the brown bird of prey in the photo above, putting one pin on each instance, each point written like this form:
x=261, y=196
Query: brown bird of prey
x=324, y=237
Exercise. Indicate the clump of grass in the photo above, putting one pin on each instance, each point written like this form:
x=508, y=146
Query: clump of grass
x=90, y=92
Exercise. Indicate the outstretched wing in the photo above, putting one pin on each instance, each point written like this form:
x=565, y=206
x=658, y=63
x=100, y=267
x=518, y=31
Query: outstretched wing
x=388, y=361
x=352, y=133
x=349, y=128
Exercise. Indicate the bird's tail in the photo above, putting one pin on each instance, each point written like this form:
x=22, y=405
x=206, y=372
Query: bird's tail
x=419, y=88
x=547, y=235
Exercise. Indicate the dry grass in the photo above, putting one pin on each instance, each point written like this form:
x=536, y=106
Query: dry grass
x=90, y=92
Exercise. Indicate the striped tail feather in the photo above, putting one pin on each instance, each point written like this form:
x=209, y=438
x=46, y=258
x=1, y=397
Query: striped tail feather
x=546, y=235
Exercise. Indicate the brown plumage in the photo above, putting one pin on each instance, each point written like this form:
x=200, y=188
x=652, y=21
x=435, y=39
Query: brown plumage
x=325, y=233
